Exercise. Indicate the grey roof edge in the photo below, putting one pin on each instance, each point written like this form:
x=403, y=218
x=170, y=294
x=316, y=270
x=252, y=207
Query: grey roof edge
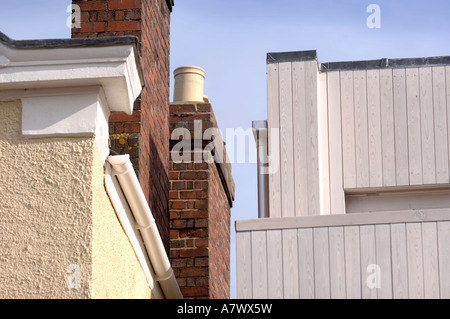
x=385, y=63
x=278, y=57
x=77, y=42
x=69, y=42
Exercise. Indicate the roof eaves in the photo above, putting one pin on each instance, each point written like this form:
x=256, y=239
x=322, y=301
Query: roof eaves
x=78, y=43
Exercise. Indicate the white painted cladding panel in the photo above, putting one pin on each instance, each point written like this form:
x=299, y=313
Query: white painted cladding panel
x=340, y=261
x=399, y=135
x=292, y=109
x=352, y=130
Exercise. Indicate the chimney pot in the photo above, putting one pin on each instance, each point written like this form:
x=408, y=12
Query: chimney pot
x=189, y=83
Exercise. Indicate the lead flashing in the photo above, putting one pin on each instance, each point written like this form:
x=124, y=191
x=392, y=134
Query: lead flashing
x=385, y=63
x=278, y=57
x=67, y=43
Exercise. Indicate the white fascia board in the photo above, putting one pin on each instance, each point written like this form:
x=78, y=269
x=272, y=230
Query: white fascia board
x=114, y=68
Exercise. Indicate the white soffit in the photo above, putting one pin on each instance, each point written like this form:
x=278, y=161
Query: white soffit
x=113, y=67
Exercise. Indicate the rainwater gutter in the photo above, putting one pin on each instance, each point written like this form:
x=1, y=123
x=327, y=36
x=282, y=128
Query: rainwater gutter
x=145, y=223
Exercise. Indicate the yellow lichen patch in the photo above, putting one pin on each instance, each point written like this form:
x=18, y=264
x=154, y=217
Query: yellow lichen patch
x=119, y=136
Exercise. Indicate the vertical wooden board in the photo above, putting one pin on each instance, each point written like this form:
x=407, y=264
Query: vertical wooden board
x=286, y=141
x=352, y=262
x=348, y=129
x=244, y=265
x=311, y=74
x=374, y=128
x=290, y=264
x=427, y=125
x=300, y=143
x=383, y=252
x=337, y=196
x=415, y=262
x=430, y=260
x=274, y=264
x=368, y=261
x=447, y=90
x=387, y=126
x=259, y=264
x=440, y=125
x=337, y=263
x=361, y=129
x=399, y=261
x=321, y=263
x=273, y=124
x=414, y=131
x=400, y=127
x=323, y=142
x=444, y=258
x=306, y=263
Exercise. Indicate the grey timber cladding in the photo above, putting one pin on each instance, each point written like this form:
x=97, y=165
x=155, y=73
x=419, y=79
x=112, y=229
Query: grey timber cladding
x=408, y=251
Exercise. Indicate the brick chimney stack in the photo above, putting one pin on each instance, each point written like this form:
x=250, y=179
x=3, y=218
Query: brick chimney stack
x=190, y=201
x=201, y=196
x=144, y=134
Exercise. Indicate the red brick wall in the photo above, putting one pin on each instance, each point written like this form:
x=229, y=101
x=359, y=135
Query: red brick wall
x=145, y=134
x=219, y=238
x=154, y=160
x=189, y=251
x=200, y=195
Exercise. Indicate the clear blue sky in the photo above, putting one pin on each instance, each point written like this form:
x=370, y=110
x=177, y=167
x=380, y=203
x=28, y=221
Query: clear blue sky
x=230, y=39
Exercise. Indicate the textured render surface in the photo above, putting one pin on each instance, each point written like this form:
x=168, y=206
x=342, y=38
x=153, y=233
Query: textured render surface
x=45, y=212
x=54, y=212
x=116, y=272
